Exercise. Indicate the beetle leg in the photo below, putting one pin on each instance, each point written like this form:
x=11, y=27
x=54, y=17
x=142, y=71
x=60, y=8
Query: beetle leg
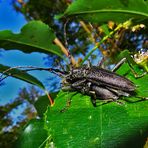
x=135, y=73
x=89, y=64
x=82, y=86
x=93, y=99
x=86, y=88
x=100, y=63
x=118, y=64
x=74, y=85
x=132, y=69
x=78, y=83
x=119, y=92
x=139, y=97
x=66, y=88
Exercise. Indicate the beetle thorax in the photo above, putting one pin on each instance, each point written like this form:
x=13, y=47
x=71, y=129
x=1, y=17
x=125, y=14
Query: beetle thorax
x=78, y=73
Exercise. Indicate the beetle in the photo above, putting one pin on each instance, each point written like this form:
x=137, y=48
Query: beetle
x=97, y=83
x=91, y=80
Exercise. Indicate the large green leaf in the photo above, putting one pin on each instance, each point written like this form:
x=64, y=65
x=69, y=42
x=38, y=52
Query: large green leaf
x=19, y=74
x=34, y=37
x=111, y=125
x=105, y=10
x=33, y=135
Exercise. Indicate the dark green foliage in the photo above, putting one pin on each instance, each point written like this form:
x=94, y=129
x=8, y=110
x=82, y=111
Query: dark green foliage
x=34, y=37
x=33, y=136
x=103, y=11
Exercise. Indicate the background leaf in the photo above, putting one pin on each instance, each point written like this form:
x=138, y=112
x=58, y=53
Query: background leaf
x=105, y=10
x=19, y=74
x=110, y=125
x=42, y=103
x=33, y=135
x=34, y=37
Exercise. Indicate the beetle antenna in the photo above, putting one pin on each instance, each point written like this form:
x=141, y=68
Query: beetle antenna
x=7, y=72
x=1, y=79
x=52, y=70
x=66, y=44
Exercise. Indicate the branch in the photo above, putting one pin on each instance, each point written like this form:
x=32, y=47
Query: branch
x=64, y=50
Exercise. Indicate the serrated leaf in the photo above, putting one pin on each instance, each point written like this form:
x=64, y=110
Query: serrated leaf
x=105, y=10
x=19, y=74
x=34, y=37
x=33, y=136
x=110, y=125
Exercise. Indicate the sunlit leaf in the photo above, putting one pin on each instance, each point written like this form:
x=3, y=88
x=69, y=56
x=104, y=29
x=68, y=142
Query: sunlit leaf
x=34, y=37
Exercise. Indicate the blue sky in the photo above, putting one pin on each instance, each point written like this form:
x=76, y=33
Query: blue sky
x=9, y=18
x=12, y=20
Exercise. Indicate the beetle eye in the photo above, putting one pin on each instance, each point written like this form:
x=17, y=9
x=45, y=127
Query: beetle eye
x=65, y=82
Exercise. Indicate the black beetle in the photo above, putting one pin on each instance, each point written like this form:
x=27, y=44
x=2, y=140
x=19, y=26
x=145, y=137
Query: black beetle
x=91, y=80
x=97, y=83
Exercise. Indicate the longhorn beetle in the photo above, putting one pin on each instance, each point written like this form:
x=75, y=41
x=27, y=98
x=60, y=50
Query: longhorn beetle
x=98, y=83
x=91, y=80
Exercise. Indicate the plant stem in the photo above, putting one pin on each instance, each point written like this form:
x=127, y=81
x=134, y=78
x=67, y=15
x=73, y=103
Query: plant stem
x=64, y=50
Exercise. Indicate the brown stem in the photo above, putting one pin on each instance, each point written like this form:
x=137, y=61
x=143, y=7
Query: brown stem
x=88, y=31
x=64, y=50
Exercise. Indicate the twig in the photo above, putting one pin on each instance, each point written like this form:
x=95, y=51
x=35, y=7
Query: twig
x=64, y=50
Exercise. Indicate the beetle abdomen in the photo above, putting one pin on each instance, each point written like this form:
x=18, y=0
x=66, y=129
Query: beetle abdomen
x=104, y=93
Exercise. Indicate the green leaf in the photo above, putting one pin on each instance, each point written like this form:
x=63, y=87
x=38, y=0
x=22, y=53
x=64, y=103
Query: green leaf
x=105, y=10
x=111, y=125
x=34, y=37
x=19, y=74
x=33, y=136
